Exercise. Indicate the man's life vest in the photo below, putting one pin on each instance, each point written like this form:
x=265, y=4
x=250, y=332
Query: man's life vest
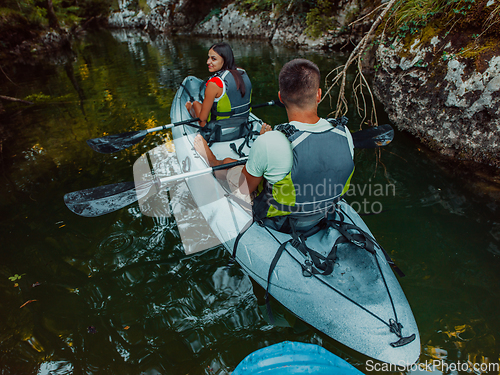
x=304, y=202
x=321, y=172
x=228, y=118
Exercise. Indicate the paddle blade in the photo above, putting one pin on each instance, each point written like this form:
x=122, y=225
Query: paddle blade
x=149, y=169
x=116, y=142
x=373, y=137
x=102, y=199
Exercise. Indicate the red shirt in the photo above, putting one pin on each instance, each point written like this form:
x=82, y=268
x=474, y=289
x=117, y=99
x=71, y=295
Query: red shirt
x=217, y=81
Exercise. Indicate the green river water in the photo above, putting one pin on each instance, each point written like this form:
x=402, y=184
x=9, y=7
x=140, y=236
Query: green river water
x=116, y=294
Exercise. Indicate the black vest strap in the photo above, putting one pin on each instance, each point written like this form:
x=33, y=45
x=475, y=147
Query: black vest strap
x=287, y=129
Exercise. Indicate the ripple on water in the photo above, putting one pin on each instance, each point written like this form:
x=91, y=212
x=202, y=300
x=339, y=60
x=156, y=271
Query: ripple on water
x=116, y=242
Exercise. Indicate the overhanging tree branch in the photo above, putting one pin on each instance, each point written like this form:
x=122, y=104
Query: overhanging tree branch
x=360, y=81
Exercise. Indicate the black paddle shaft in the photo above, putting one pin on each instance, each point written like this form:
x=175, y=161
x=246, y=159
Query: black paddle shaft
x=118, y=142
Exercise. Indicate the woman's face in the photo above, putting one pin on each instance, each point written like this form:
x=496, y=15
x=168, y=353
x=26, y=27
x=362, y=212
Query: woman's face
x=214, y=62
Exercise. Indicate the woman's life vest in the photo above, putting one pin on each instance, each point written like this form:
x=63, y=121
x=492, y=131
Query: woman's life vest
x=228, y=117
x=321, y=172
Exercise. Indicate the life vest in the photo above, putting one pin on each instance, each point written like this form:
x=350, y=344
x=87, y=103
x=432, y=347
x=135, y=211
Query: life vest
x=228, y=117
x=321, y=172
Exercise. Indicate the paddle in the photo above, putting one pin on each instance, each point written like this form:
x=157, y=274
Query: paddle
x=373, y=137
x=276, y=102
x=105, y=199
x=118, y=142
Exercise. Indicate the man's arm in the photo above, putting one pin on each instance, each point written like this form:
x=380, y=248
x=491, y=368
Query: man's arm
x=248, y=183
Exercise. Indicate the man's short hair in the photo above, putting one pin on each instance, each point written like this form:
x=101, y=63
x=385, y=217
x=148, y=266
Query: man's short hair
x=299, y=82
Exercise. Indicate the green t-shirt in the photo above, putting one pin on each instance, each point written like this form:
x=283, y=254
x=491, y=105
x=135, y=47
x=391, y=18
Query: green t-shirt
x=271, y=154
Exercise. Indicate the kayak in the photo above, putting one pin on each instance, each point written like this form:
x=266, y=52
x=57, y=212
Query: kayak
x=360, y=303
x=291, y=357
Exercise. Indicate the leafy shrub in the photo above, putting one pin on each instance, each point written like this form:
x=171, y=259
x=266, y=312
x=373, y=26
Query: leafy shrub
x=319, y=19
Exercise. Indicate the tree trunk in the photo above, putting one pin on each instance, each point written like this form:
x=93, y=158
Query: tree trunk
x=51, y=15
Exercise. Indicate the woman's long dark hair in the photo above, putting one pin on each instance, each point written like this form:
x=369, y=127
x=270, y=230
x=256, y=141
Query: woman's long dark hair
x=225, y=51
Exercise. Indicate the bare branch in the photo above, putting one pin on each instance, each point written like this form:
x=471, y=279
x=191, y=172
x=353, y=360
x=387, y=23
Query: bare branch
x=14, y=99
x=356, y=54
x=367, y=15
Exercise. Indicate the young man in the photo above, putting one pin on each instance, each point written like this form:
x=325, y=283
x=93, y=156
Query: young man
x=302, y=167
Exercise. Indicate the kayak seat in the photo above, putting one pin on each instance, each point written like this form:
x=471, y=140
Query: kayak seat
x=226, y=130
x=231, y=129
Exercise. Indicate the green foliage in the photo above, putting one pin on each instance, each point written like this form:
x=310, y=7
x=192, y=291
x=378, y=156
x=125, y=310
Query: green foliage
x=318, y=14
x=143, y=5
x=41, y=98
x=95, y=8
x=136, y=5
x=260, y=5
x=38, y=15
x=319, y=19
x=68, y=12
x=67, y=16
x=26, y=20
x=447, y=56
x=16, y=277
x=17, y=27
x=297, y=7
x=214, y=12
x=27, y=10
x=409, y=17
x=414, y=13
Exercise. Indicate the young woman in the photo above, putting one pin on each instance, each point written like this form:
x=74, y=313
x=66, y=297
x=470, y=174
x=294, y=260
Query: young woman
x=228, y=91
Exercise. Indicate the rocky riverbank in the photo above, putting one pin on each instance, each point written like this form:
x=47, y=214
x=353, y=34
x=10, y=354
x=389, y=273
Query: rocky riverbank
x=449, y=100
x=453, y=107
x=167, y=16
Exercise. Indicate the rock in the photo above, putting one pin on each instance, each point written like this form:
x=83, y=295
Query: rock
x=229, y=23
x=451, y=107
x=171, y=15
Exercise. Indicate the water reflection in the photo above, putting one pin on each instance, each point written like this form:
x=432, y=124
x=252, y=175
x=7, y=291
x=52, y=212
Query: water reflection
x=470, y=346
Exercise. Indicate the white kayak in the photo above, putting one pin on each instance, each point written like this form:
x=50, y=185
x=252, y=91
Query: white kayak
x=360, y=304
